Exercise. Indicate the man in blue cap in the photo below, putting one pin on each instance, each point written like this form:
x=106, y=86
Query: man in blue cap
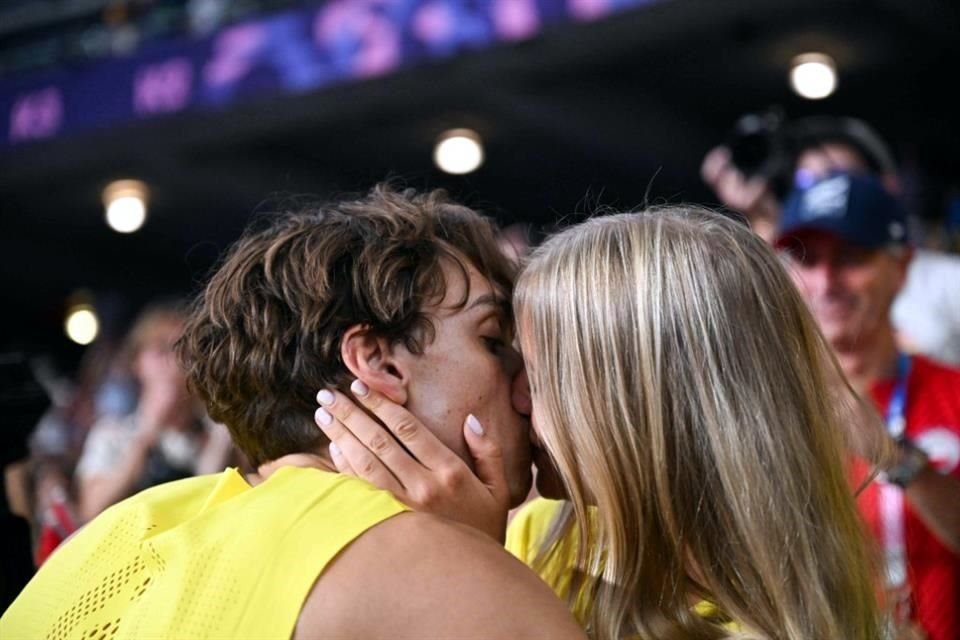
x=926, y=312
x=845, y=238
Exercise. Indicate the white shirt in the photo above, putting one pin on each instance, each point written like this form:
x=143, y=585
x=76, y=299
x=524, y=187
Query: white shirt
x=926, y=314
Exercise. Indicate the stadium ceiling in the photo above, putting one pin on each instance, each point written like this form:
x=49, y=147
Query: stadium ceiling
x=616, y=112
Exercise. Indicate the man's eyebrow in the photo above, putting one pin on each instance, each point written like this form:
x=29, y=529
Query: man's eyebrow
x=497, y=306
x=490, y=300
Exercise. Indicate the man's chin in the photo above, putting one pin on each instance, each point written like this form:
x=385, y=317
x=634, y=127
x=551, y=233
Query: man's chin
x=520, y=487
x=838, y=321
x=832, y=327
x=840, y=338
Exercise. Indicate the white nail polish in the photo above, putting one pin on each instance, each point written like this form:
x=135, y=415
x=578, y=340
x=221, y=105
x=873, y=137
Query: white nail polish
x=335, y=450
x=474, y=425
x=323, y=417
x=359, y=388
x=325, y=397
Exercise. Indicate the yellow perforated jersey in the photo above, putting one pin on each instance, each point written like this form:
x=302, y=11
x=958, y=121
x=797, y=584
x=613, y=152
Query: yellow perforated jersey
x=205, y=557
x=525, y=536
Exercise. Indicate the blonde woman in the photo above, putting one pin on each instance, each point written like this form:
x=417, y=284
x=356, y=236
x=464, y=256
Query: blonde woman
x=681, y=390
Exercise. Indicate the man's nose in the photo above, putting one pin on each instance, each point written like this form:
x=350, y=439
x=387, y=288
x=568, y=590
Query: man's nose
x=520, y=393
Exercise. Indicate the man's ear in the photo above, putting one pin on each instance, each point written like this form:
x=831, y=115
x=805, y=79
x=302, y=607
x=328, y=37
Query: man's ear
x=373, y=360
x=903, y=264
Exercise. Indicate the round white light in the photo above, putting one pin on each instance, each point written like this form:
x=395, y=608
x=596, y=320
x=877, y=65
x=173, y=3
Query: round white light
x=82, y=325
x=458, y=151
x=126, y=214
x=813, y=75
x=126, y=203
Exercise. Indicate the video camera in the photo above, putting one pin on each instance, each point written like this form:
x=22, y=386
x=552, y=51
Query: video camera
x=766, y=144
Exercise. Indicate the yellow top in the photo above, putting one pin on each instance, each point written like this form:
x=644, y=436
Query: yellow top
x=525, y=535
x=205, y=557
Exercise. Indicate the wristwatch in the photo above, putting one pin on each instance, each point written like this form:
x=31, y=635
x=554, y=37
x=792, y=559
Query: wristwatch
x=912, y=461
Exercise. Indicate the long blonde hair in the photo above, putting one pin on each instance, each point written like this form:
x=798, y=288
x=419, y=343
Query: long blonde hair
x=683, y=391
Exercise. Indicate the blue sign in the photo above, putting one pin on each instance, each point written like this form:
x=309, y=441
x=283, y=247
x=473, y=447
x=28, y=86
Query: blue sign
x=288, y=52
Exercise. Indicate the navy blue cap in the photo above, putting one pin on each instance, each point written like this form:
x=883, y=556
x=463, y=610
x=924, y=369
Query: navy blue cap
x=855, y=207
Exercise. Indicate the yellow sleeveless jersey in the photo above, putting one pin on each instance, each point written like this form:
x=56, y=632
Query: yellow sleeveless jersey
x=205, y=557
x=525, y=535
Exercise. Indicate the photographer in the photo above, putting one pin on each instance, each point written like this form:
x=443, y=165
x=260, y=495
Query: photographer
x=845, y=240
x=765, y=158
x=824, y=190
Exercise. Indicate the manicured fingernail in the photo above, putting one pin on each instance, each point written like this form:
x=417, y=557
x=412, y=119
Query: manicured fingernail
x=335, y=450
x=323, y=417
x=359, y=388
x=325, y=397
x=474, y=425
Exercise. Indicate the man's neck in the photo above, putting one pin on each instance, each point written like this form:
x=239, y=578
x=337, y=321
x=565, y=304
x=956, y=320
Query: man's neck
x=307, y=460
x=870, y=361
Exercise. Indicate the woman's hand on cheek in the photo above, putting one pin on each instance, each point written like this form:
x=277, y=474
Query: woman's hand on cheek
x=422, y=473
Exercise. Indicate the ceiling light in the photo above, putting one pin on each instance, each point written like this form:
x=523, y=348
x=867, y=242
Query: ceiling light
x=458, y=151
x=126, y=205
x=813, y=75
x=82, y=325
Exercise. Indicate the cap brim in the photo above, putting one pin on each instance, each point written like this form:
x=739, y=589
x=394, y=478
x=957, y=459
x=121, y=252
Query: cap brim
x=784, y=236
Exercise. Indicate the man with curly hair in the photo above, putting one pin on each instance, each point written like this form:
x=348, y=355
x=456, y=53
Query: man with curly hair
x=409, y=295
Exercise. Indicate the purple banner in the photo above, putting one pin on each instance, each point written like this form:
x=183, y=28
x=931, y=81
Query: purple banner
x=290, y=52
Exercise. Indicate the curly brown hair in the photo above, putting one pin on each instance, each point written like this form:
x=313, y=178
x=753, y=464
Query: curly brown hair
x=264, y=336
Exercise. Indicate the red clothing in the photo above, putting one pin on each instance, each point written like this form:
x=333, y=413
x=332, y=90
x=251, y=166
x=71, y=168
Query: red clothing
x=933, y=424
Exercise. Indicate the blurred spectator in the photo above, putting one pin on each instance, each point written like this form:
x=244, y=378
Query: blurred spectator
x=846, y=242
x=22, y=401
x=56, y=443
x=926, y=313
x=166, y=437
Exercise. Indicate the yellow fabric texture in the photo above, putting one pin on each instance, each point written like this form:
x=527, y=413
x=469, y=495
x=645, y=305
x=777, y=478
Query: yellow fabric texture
x=526, y=533
x=205, y=557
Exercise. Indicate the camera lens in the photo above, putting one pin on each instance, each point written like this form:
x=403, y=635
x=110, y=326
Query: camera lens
x=760, y=147
x=751, y=152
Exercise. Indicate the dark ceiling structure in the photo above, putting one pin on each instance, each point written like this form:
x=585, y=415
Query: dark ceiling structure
x=614, y=113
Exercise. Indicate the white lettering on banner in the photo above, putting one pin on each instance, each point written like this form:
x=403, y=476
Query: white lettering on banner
x=359, y=38
x=36, y=115
x=163, y=87
x=827, y=198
